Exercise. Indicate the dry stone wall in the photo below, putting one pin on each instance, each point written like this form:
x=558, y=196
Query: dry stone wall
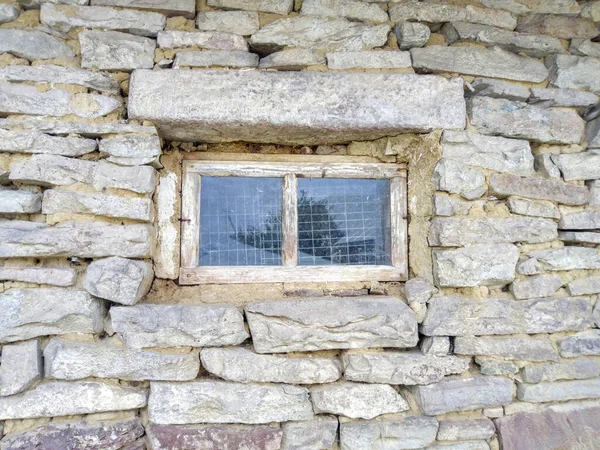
x=493, y=342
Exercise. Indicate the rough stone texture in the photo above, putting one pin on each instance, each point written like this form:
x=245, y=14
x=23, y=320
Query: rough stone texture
x=209, y=401
x=132, y=150
x=545, y=167
x=216, y=58
x=582, y=220
x=584, y=47
x=66, y=360
x=166, y=257
x=185, y=8
x=282, y=7
x=566, y=258
x=510, y=348
x=418, y=290
x=520, y=120
x=584, y=343
x=405, y=368
x=535, y=208
x=497, y=367
x=50, y=170
x=8, y=13
x=591, y=11
x=585, y=286
x=14, y=201
x=464, y=394
x=537, y=286
x=242, y=365
x=457, y=231
x=201, y=437
x=592, y=133
x=208, y=40
x=292, y=59
x=574, y=427
x=29, y=313
x=411, y=34
x=39, y=275
x=243, y=23
x=350, y=9
x=317, y=324
x=18, y=141
x=533, y=45
x=462, y=316
x=33, y=44
x=178, y=325
x=435, y=346
x=67, y=17
x=317, y=434
x=407, y=433
x=475, y=265
x=559, y=391
x=578, y=166
x=446, y=205
x=594, y=187
x=558, y=26
x=245, y=105
x=495, y=63
x=571, y=98
x=55, y=126
x=77, y=436
x=570, y=369
x=574, y=72
x=457, y=178
x=21, y=367
x=584, y=237
x=20, y=239
x=490, y=87
x=490, y=152
x=57, y=201
x=566, y=193
x=112, y=50
x=373, y=59
x=465, y=429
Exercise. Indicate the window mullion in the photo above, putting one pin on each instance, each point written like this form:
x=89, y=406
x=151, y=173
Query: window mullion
x=289, y=221
x=398, y=225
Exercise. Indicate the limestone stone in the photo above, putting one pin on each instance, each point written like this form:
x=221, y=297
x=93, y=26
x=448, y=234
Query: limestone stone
x=207, y=401
x=53, y=126
x=490, y=152
x=356, y=400
x=446, y=205
x=411, y=34
x=57, y=201
x=535, y=45
x=21, y=367
x=25, y=99
x=178, y=325
x=51, y=170
x=246, y=105
x=466, y=445
x=29, y=313
x=574, y=72
x=465, y=429
x=510, y=348
x=475, y=265
x=66, y=360
x=113, y=50
x=39, y=275
x=457, y=231
x=570, y=194
x=536, y=286
x=20, y=239
x=243, y=365
x=216, y=58
x=495, y=63
x=545, y=167
x=67, y=17
x=185, y=8
x=494, y=116
x=8, y=13
x=208, y=40
x=571, y=369
x=559, y=391
x=464, y=394
x=405, y=368
x=64, y=398
x=18, y=141
x=574, y=427
x=435, y=345
x=591, y=11
x=167, y=198
x=582, y=237
x=316, y=32
x=35, y=4
x=584, y=343
x=129, y=149
x=350, y=9
x=50, y=73
x=581, y=220
x=292, y=59
x=243, y=23
x=317, y=324
x=585, y=286
x=112, y=435
x=496, y=367
x=419, y=290
x=13, y=201
x=372, y=59
x=317, y=434
x=33, y=44
x=584, y=47
x=559, y=26
x=457, y=178
x=578, y=166
x=568, y=7
x=463, y=316
x=570, y=98
x=535, y=208
x=566, y=258
x=282, y=7
x=490, y=87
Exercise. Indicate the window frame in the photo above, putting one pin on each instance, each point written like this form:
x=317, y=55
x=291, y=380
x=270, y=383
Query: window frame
x=276, y=166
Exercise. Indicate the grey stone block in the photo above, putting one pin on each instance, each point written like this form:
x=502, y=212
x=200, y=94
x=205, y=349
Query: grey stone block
x=33, y=44
x=465, y=429
x=510, y=348
x=98, y=50
x=13, y=201
x=292, y=59
x=569, y=98
x=559, y=26
x=350, y=9
x=411, y=34
x=457, y=178
x=534, y=208
x=570, y=194
x=574, y=72
x=490, y=87
x=40, y=275
x=243, y=23
x=584, y=343
x=317, y=434
x=21, y=367
x=185, y=8
x=208, y=40
x=559, y=391
x=372, y=59
x=584, y=286
x=25, y=141
x=578, y=166
x=536, y=287
x=565, y=258
x=282, y=7
x=568, y=369
x=216, y=58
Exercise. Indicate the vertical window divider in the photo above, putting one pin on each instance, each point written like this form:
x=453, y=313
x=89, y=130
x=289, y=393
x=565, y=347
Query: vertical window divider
x=190, y=220
x=289, y=221
x=398, y=225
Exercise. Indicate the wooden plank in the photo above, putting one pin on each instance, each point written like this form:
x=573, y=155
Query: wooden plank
x=279, y=274
x=190, y=222
x=289, y=218
x=398, y=225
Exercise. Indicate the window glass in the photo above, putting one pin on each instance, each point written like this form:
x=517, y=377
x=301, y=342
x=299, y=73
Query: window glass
x=343, y=221
x=240, y=221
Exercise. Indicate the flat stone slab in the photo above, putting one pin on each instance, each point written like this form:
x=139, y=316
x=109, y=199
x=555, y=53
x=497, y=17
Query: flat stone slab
x=243, y=23
x=585, y=286
x=14, y=201
x=21, y=367
x=40, y=275
x=318, y=324
x=458, y=178
x=583, y=343
x=510, y=348
x=565, y=258
x=558, y=26
x=578, y=166
x=222, y=106
x=292, y=59
x=567, y=369
x=538, y=286
x=570, y=194
x=574, y=72
x=216, y=58
x=207, y=40
x=33, y=44
x=27, y=141
x=373, y=59
x=535, y=208
x=282, y=7
x=54, y=126
x=97, y=50
x=185, y=8
x=350, y=9
x=317, y=434
x=465, y=429
x=559, y=391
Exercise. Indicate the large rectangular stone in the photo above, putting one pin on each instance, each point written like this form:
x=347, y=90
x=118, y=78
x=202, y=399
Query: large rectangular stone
x=21, y=141
x=568, y=369
x=206, y=40
x=559, y=391
x=13, y=201
x=39, y=275
x=21, y=367
x=317, y=324
x=465, y=429
x=558, y=26
x=207, y=401
x=570, y=194
x=217, y=106
x=510, y=348
x=588, y=219
x=185, y=8
x=243, y=23
x=350, y=9
x=55, y=126
x=584, y=343
x=97, y=50
x=565, y=258
x=574, y=72
x=578, y=166
x=585, y=286
x=462, y=316
x=33, y=44
x=282, y=7
x=320, y=433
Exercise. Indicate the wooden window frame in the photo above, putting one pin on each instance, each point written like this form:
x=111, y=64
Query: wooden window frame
x=192, y=273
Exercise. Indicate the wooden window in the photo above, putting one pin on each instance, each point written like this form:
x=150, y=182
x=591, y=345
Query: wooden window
x=262, y=221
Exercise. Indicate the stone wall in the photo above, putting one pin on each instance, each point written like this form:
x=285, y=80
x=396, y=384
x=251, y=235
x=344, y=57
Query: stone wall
x=494, y=341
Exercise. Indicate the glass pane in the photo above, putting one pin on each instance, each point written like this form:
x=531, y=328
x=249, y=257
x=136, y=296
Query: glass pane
x=343, y=221
x=240, y=221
